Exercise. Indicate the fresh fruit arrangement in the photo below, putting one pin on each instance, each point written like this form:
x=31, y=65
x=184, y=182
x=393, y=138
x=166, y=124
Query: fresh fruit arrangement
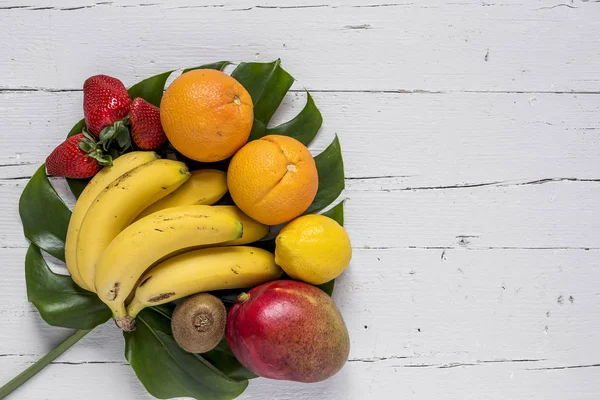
x=198, y=229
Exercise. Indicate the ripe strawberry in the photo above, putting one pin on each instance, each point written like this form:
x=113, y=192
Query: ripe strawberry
x=77, y=157
x=146, y=130
x=105, y=101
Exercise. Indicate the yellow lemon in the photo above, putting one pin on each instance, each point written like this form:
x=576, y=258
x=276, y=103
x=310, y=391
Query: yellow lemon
x=313, y=248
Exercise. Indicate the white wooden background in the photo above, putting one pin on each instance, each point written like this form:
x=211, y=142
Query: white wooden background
x=470, y=132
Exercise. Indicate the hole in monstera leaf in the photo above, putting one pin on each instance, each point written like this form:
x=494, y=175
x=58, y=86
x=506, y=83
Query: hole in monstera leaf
x=57, y=266
x=290, y=107
x=62, y=188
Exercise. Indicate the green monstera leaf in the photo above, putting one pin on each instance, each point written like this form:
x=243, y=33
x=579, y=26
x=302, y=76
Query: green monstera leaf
x=44, y=215
x=168, y=371
x=331, y=176
x=58, y=299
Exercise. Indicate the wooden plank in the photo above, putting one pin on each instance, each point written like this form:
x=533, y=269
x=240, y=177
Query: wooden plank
x=556, y=214
x=419, y=140
x=439, y=45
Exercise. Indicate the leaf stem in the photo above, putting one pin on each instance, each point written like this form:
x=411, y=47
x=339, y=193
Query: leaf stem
x=41, y=363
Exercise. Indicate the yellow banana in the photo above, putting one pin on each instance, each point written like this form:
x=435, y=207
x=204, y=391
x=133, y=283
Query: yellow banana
x=253, y=230
x=204, y=270
x=153, y=238
x=118, y=204
x=121, y=165
x=205, y=187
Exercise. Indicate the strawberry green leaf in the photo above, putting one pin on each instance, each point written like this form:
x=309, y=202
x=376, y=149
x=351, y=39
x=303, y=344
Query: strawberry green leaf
x=304, y=127
x=44, y=215
x=122, y=136
x=219, y=66
x=88, y=136
x=330, y=167
x=114, y=153
x=267, y=84
x=58, y=299
x=85, y=146
x=150, y=89
x=103, y=159
x=107, y=136
x=166, y=370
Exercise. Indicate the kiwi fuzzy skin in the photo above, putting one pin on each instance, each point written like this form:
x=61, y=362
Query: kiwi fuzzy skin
x=198, y=323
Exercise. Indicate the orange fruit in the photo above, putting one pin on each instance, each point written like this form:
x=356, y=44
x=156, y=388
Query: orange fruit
x=273, y=179
x=207, y=115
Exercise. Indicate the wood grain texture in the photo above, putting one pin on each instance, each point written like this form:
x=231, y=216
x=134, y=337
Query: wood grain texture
x=434, y=45
x=472, y=204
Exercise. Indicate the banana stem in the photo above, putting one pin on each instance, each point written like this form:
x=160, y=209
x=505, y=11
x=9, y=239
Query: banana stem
x=41, y=363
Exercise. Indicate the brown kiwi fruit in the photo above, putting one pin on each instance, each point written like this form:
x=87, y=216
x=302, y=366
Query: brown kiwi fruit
x=198, y=323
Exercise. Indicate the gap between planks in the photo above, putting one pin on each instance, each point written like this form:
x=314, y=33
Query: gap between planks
x=359, y=179
x=8, y=89
x=224, y=6
x=260, y=7
x=445, y=365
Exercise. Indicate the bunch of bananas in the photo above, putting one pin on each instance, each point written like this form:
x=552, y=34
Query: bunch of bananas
x=143, y=233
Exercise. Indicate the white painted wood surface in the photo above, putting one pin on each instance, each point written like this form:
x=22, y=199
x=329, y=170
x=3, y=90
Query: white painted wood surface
x=470, y=132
